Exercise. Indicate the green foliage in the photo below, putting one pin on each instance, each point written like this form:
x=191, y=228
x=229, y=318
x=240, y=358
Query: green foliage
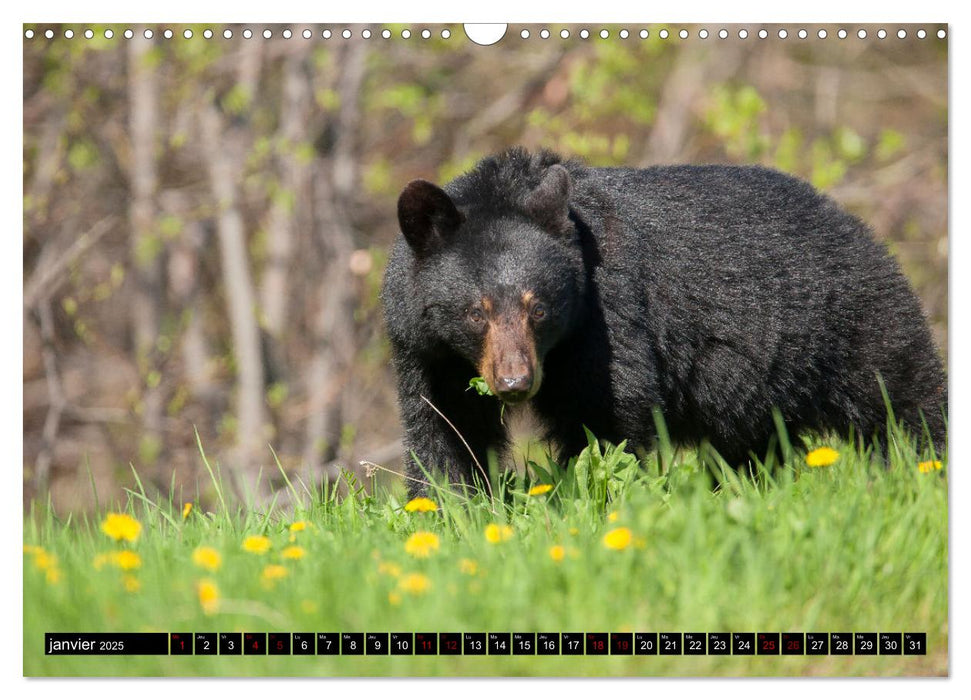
x=850, y=545
x=481, y=386
x=734, y=115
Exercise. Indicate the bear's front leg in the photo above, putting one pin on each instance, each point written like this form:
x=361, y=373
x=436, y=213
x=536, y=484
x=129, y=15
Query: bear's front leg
x=457, y=447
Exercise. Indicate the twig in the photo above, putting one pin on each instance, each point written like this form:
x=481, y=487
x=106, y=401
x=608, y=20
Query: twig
x=485, y=477
x=57, y=402
x=44, y=281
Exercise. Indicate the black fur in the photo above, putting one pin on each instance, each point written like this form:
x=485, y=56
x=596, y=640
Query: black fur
x=712, y=292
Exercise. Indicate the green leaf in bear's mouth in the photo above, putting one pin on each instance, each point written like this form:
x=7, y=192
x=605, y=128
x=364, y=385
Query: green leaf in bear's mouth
x=481, y=386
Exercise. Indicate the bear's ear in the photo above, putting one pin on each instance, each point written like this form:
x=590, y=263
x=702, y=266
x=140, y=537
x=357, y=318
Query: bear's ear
x=427, y=216
x=549, y=203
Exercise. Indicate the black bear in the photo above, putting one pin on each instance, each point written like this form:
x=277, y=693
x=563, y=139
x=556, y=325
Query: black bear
x=715, y=293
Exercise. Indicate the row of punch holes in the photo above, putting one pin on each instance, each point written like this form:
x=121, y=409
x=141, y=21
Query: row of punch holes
x=524, y=33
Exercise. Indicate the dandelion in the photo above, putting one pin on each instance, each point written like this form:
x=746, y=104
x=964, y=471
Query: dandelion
x=557, y=552
x=274, y=572
x=257, y=544
x=32, y=549
x=612, y=517
x=53, y=575
x=618, y=538
x=131, y=583
x=415, y=584
x=127, y=560
x=929, y=466
x=121, y=526
x=394, y=598
x=207, y=558
x=421, y=505
x=468, y=566
x=495, y=534
x=421, y=544
x=822, y=457
x=386, y=567
x=208, y=594
x=540, y=489
x=293, y=552
x=186, y=509
x=299, y=526
x=45, y=561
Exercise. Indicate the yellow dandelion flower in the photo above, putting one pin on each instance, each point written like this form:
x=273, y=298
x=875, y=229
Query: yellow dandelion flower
x=121, y=526
x=929, y=466
x=45, y=561
x=822, y=457
x=386, y=567
x=421, y=505
x=415, y=584
x=293, y=552
x=618, y=538
x=101, y=560
x=612, y=517
x=468, y=566
x=394, y=598
x=131, y=583
x=186, y=509
x=53, y=575
x=126, y=560
x=421, y=544
x=540, y=489
x=557, y=552
x=299, y=526
x=257, y=544
x=207, y=558
x=574, y=531
x=273, y=573
x=208, y=594
x=32, y=549
x=495, y=534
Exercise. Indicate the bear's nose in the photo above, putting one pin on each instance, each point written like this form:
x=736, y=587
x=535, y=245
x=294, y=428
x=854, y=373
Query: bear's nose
x=514, y=388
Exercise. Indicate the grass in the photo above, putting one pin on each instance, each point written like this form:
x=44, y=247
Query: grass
x=853, y=546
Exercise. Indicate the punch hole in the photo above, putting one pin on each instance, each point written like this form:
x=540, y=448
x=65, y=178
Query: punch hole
x=743, y=33
x=207, y=34
x=941, y=33
x=803, y=34
x=861, y=33
x=821, y=34
x=187, y=34
x=723, y=33
x=425, y=34
x=763, y=34
x=584, y=34
x=366, y=33
x=287, y=33
x=29, y=34
x=683, y=34
x=247, y=33
x=663, y=33
x=227, y=34
x=405, y=33
x=485, y=34
x=267, y=34
x=326, y=34
x=109, y=34
x=604, y=34
x=306, y=33
x=524, y=34
x=901, y=33
x=346, y=34
x=921, y=34
x=882, y=34
x=841, y=33
x=783, y=34
x=386, y=34
x=148, y=34
x=49, y=33
x=564, y=33
x=703, y=33
x=167, y=34
x=544, y=34
x=623, y=34
x=88, y=34
x=68, y=33
x=446, y=33
x=129, y=33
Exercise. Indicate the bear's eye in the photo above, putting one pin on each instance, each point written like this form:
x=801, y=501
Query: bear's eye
x=476, y=316
x=539, y=311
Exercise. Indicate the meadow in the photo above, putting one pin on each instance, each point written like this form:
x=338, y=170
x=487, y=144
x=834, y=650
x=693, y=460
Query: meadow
x=829, y=540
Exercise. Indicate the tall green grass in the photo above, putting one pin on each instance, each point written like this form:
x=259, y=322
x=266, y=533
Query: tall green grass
x=859, y=545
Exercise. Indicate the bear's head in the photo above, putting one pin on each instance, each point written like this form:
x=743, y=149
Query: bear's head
x=500, y=275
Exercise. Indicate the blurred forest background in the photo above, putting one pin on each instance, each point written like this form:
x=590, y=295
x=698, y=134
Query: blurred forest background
x=206, y=222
